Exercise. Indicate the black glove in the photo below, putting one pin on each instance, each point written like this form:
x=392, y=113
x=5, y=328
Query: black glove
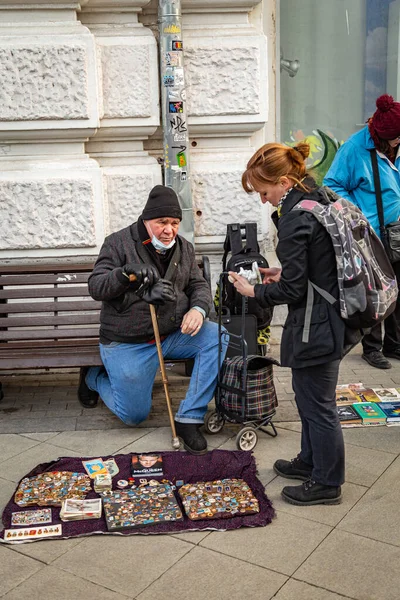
x=146, y=275
x=160, y=293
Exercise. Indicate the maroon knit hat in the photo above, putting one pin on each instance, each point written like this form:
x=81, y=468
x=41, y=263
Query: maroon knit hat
x=386, y=119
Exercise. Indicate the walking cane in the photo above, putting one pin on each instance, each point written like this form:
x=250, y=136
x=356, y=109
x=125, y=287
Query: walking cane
x=175, y=440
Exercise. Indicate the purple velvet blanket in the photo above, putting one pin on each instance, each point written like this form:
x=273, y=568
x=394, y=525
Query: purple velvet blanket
x=218, y=464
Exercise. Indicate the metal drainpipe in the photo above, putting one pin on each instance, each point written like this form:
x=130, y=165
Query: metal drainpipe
x=174, y=111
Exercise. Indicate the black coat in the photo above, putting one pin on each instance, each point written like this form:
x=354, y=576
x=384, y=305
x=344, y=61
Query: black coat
x=124, y=316
x=305, y=251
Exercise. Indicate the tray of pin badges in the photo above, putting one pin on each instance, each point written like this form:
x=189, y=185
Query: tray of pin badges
x=218, y=499
x=51, y=488
x=140, y=506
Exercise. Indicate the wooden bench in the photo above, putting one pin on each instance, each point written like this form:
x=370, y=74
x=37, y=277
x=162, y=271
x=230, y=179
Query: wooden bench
x=49, y=320
x=47, y=317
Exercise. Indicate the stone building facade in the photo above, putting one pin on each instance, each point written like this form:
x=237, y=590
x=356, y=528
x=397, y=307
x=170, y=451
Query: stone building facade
x=80, y=136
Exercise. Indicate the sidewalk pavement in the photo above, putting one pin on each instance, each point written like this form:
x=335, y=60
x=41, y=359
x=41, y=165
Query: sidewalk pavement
x=307, y=553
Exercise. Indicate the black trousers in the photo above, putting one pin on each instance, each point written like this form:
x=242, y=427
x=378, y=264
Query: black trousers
x=322, y=444
x=391, y=340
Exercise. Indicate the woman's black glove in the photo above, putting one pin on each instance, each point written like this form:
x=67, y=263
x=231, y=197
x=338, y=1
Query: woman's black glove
x=160, y=293
x=146, y=275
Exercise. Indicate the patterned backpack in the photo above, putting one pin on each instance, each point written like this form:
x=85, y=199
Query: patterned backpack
x=367, y=283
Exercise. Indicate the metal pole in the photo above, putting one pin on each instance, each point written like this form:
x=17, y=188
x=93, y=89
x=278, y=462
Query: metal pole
x=174, y=111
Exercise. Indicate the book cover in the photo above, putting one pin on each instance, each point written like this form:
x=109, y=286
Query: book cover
x=391, y=410
x=344, y=394
x=147, y=465
x=348, y=415
x=366, y=395
x=387, y=394
x=370, y=413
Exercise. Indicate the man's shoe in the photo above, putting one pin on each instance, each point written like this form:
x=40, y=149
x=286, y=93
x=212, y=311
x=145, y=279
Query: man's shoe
x=293, y=469
x=192, y=438
x=392, y=353
x=377, y=360
x=310, y=492
x=87, y=397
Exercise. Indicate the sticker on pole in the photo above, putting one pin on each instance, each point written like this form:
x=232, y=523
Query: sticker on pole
x=177, y=45
x=175, y=107
x=169, y=80
x=172, y=28
x=181, y=158
x=172, y=59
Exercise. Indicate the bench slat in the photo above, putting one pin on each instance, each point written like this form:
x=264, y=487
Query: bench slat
x=50, y=358
x=45, y=334
x=29, y=321
x=42, y=279
x=21, y=307
x=45, y=268
x=51, y=344
x=52, y=292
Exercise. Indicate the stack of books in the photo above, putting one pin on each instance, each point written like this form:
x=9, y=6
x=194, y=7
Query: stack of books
x=358, y=405
x=77, y=510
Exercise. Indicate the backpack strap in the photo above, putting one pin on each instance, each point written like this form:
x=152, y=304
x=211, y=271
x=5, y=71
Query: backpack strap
x=233, y=242
x=251, y=238
x=378, y=194
x=309, y=306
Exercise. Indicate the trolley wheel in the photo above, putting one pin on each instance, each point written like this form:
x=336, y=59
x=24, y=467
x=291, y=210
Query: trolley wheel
x=247, y=438
x=213, y=422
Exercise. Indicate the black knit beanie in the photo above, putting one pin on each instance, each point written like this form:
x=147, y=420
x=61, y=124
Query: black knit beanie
x=162, y=202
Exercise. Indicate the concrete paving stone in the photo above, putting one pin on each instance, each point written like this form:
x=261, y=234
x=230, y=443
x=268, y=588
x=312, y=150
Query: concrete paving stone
x=286, y=414
x=16, y=467
x=281, y=546
x=133, y=562
x=51, y=583
x=12, y=444
x=354, y=566
x=70, y=412
x=60, y=406
x=202, y=571
x=192, y=537
x=385, y=439
x=157, y=440
x=268, y=450
x=329, y=515
x=298, y=590
x=99, y=422
x=364, y=466
x=27, y=424
x=47, y=551
x=377, y=514
x=14, y=569
x=19, y=413
x=40, y=437
x=291, y=425
x=98, y=443
x=7, y=489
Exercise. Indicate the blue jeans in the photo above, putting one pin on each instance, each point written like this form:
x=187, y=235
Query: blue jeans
x=127, y=384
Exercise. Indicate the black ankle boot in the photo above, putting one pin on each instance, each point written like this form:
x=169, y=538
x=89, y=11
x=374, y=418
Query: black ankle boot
x=191, y=436
x=293, y=469
x=87, y=397
x=310, y=492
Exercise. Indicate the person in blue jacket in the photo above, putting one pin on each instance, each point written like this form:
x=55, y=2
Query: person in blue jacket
x=351, y=176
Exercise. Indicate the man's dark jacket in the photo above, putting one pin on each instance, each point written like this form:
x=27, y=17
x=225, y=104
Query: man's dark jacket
x=124, y=316
x=305, y=251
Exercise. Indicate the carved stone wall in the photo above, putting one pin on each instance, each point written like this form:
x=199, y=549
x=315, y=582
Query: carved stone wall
x=80, y=136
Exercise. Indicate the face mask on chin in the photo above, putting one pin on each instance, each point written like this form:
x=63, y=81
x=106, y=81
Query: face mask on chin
x=158, y=245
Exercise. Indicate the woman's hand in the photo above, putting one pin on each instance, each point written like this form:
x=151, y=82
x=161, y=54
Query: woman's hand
x=270, y=275
x=242, y=285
